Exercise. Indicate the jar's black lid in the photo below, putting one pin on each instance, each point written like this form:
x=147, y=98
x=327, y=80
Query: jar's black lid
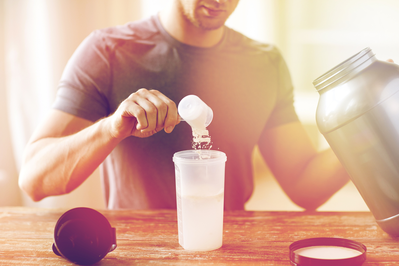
x=299, y=260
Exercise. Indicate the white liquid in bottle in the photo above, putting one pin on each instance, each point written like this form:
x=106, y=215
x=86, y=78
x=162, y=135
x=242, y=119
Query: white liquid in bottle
x=202, y=222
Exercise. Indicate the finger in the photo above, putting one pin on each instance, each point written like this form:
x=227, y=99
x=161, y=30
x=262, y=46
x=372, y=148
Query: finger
x=160, y=102
x=155, y=108
x=169, y=113
x=137, y=105
x=133, y=109
x=148, y=116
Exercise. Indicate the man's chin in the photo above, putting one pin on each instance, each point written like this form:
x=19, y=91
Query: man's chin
x=211, y=25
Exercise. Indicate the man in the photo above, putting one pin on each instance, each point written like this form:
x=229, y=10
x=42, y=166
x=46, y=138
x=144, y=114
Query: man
x=116, y=106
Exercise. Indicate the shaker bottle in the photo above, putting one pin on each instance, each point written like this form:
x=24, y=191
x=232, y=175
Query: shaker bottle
x=200, y=198
x=83, y=236
x=358, y=114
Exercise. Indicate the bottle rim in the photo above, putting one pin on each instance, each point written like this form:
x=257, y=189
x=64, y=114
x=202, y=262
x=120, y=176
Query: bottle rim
x=342, y=71
x=199, y=157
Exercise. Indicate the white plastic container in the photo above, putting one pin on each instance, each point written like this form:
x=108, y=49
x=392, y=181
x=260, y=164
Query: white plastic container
x=195, y=112
x=200, y=198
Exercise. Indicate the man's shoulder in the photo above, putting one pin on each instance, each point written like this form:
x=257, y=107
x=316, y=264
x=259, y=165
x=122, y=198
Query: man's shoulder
x=247, y=46
x=139, y=30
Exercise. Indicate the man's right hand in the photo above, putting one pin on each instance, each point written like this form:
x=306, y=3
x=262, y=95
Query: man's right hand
x=144, y=113
x=65, y=149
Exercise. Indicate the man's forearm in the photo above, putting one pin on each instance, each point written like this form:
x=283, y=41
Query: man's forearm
x=321, y=178
x=55, y=166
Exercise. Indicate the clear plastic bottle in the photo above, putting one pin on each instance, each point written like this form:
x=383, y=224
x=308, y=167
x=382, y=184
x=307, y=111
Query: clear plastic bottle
x=358, y=114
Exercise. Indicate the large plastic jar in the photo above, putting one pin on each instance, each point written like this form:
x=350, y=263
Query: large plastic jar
x=358, y=114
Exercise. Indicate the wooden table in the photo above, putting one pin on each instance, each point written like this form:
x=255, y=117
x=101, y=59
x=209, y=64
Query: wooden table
x=150, y=237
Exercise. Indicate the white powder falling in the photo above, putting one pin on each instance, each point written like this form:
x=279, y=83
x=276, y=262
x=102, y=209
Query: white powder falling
x=201, y=139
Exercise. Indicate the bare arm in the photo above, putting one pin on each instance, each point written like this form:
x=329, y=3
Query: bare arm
x=308, y=177
x=65, y=149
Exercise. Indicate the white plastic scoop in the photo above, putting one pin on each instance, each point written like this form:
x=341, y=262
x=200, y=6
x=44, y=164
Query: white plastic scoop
x=195, y=112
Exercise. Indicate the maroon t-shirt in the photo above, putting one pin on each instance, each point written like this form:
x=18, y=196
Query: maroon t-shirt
x=246, y=83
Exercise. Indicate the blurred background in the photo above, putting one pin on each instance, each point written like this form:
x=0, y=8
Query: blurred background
x=37, y=37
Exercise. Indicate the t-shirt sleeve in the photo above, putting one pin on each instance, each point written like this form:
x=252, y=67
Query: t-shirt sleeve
x=284, y=110
x=86, y=77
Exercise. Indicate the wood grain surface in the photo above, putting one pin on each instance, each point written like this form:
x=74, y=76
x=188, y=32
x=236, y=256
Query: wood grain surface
x=150, y=237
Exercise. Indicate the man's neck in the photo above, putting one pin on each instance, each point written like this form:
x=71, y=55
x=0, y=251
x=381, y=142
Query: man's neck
x=184, y=31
